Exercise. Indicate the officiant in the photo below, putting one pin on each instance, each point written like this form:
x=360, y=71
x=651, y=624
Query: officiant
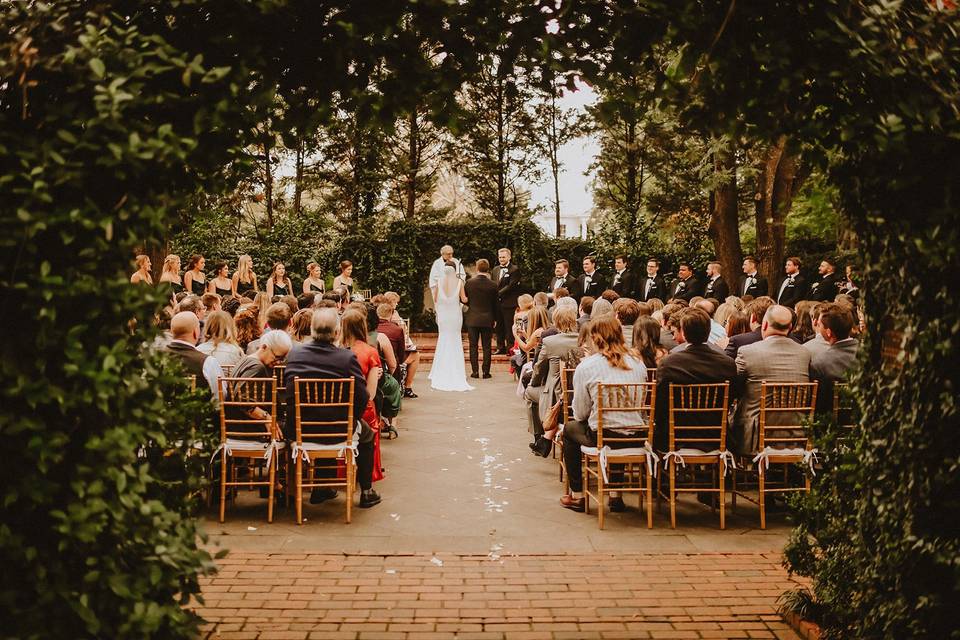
x=436, y=271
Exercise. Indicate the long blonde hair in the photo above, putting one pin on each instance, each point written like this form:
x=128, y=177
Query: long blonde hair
x=171, y=265
x=244, y=270
x=262, y=302
x=220, y=328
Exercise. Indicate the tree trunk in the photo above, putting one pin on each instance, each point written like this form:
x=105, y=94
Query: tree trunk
x=554, y=144
x=414, y=166
x=268, y=182
x=777, y=183
x=501, y=213
x=298, y=178
x=724, y=217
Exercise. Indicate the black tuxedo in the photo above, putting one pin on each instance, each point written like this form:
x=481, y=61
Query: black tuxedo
x=569, y=283
x=625, y=287
x=482, y=312
x=689, y=290
x=658, y=288
x=791, y=290
x=718, y=289
x=508, y=290
x=697, y=364
x=826, y=288
x=758, y=287
x=594, y=289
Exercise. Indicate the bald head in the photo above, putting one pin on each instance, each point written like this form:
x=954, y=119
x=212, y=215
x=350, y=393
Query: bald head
x=777, y=321
x=185, y=326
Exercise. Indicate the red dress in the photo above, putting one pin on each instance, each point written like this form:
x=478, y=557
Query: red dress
x=369, y=359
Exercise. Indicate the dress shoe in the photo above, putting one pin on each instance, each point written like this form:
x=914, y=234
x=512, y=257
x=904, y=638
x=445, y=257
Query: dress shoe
x=474, y=375
x=574, y=504
x=369, y=498
x=408, y=393
x=542, y=447
x=487, y=376
x=616, y=505
x=322, y=494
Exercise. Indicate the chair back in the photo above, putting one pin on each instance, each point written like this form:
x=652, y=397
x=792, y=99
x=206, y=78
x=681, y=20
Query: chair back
x=844, y=408
x=566, y=391
x=406, y=327
x=637, y=398
x=227, y=370
x=279, y=370
x=323, y=410
x=652, y=375
x=785, y=410
x=364, y=293
x=698, y=416
x=237, y=397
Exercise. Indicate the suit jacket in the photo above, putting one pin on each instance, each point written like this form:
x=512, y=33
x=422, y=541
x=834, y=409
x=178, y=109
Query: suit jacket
x=690, y=289
x=733, y=347
x=758, y=287
x=697, y=364
x=546, y=370
x=775, y=359
x=569, y=283
x=626, y=287
x=718, y=289
x=508, y=287
x=658, y=288
x=322, y=360
x=790, y=291
x=826, y=288
x=595, y=288
x=482, y=301
x=830, y=366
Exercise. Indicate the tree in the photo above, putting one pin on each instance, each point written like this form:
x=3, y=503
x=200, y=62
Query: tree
x=415, y=153
x=554, y=126
x=725, y=210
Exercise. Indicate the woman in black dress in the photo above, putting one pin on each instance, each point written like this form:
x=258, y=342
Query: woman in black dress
x=345, y=279
x=194, y=279
x=221, y=284
x=244, y=279
x=314, y=281
x=278, y=284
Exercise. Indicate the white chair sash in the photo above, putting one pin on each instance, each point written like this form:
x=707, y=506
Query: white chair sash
x=248, y=445
x=762, y=459
x=340, y=447
x=606, y=455
x=726, y=457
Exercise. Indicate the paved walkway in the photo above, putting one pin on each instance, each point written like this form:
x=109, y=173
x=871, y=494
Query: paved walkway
x=463, y=489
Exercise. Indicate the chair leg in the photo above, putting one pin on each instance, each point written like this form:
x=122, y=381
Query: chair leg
x=723, y=498
x=351, y=474
x=733, y=495
x=601, y=506
x=673, y=495
x=298, y=491
x=649, y=500
x=762, y=501
x=273, y=477
x=223, y=484
x=585, y=486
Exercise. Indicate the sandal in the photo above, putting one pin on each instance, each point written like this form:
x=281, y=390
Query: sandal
x=389, y=432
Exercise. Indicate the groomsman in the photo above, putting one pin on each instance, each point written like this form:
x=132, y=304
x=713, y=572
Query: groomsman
x=828, y=286
x=752, y=283
x=590, y=283
x=562, y=278
x=686, y=286
x=794, y=286
x=507, y=277
x=623, y=281
x=652, y=284
x=717, y=287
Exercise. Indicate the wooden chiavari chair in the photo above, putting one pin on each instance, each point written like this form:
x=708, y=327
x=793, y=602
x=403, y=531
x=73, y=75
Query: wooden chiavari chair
x=363, y=293
x=652, y=375
x=247, y=438
x=566, y=393
x=614, y=448
x=844, y=409
x=786, y=409
x=227, y=370
x=328, y=439
x=698, y=436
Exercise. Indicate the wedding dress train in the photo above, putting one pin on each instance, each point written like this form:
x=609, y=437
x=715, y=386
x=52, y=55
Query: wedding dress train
x=449, y=370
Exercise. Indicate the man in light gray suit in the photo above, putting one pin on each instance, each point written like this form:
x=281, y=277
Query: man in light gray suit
x=544, y=388
x=835, y=362
x=776, y=358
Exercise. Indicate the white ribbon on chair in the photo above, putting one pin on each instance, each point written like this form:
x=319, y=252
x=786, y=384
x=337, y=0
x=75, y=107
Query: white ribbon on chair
x=762, y=459
x=248, y=445
x=606, y=453
x=726, y=457
x=340, y=448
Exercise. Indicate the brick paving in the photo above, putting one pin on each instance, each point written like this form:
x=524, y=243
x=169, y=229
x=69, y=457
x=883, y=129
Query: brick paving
x=297, y=596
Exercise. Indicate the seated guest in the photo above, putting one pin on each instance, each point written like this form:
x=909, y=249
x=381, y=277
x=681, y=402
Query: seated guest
x=185, y=332
x=541, y=299
x=667, y=338
x=220, y=339
x=699, y=363
x=612, y=363
x=723, y=313
x=756, y=309
x=737, y=324
x=833, y=364
x=646, y=341
x=560, y=293
x=610, y=296
x=412, y=360
x=230, y=304
x=656, y=304
x=736, y=301
x=717, y=331
x=543, y=392
x=247, y=324
x=816, y=344
x=627, y=312
x=776, y=358
x=803, y=325
x=291, y=302
x=321, y=358
x=586, y=306
x=211, y=302
x=353, y=336
x=394, y=334
x=306, y=301
x=300, y=325
x=193, y=304
x=529, y=336
x=601, y=307
x=278, y=319
x=274, y=347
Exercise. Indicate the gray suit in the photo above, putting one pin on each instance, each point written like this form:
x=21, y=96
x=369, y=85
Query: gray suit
x=830, y=366
x=544, y=389
x=774, y=359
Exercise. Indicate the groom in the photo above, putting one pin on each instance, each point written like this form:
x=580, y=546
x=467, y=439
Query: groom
x=481, y=314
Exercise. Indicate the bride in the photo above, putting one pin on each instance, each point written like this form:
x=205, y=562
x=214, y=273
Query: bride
x=449, y=372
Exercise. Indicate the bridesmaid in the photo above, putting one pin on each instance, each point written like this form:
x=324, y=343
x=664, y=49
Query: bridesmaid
x=313, y=282
x=171, y=274
x=221, y=284
x=278, y=284
x=194, y=281
x=244, y=279
x=142, y=274
x=345, y=279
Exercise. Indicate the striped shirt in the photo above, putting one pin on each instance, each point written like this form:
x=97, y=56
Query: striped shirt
x=596, y=369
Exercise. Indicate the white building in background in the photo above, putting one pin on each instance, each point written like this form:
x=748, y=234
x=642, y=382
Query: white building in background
x=572, y=225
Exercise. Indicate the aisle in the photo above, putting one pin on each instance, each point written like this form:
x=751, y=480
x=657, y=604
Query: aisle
x=461, y=479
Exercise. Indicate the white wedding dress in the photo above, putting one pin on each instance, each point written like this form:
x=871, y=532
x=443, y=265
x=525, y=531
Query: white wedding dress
x=449, y=371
